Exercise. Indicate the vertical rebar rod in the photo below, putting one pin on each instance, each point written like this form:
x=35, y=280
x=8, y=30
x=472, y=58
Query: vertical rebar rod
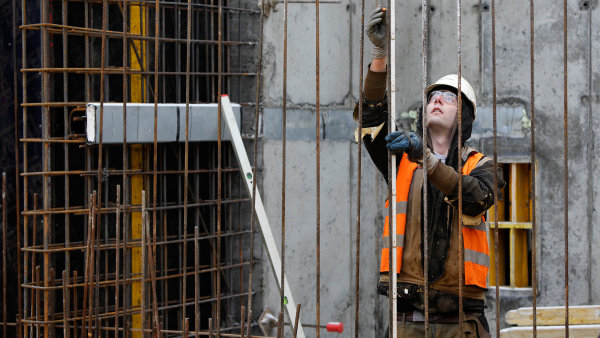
x=88, y=266
x=45, y=166
x=280, y=326
x=566, y=164
x=254, y=178
x=495, y=139
x=4, y=252
x=461, y=258
x=358, y=174
x=186, y=154
x=65, y=290
x=65, y=64
x=143, y=277
x=219, y=164
x=117, y=257
x=318, y=179
x=126, y=186
x=34, y=271
x=533, y=167
x=25, y=167
x=152, y=266
x=242, y=321
x=38, y=331
x=196, y=284
x=75, y=303
x=424, y=74
x=392, y=172
x=94, y=250
x=155, y=165
x=20, y=300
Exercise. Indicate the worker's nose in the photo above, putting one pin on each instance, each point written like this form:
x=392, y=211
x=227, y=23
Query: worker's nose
x=438, y=99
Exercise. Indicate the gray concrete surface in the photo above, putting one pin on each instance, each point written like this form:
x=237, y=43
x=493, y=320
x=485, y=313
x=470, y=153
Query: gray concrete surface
x=340, y=34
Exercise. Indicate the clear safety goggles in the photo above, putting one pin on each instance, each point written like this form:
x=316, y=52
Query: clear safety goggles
x=449, y=97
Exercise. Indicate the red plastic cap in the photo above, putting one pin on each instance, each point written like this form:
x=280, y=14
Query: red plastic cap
x=335, y=327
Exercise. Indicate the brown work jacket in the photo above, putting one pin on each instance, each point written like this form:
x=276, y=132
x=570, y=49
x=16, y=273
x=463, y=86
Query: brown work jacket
x=477, y=198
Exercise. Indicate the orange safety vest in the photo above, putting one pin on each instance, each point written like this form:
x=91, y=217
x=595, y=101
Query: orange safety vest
x=475, y=241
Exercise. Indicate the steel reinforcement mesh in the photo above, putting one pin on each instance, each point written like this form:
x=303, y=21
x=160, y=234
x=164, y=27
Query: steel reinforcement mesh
x=109, y=245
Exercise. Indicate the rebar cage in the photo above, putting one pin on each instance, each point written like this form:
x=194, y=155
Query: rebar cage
x=110, y=247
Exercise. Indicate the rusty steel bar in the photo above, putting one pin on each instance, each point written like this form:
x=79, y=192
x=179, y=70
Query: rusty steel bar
x=65, y=288
x=358, y=175
x=566, y=163
x=4, y=253
x=533, y=166
x=144, y=259
x=152, y=242
x=495, y=137
x=20, y=300
x=318, y=183
x=100, y=313
x=461, y=259
x=196, y=284
x=254, y=177
x=425, y=36
x=219, y=163
x=117, y=257
x=280, y=327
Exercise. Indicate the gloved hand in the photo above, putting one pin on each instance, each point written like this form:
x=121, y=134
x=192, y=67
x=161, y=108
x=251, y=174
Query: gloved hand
x=408, y=142
x=374, y=113
x=377, y=32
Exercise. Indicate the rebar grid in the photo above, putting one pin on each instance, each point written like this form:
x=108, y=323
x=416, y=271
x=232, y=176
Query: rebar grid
x=110, y=230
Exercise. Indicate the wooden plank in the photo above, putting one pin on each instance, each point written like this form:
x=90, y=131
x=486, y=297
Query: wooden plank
x=519, y=212
x=510, y=225
x=519, y=267
x=519, y=192
x=575, y=331
x=555, y=315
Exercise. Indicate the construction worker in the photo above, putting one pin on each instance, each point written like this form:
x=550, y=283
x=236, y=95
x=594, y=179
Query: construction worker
x=440, y=158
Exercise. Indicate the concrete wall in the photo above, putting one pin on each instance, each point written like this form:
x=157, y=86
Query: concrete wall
x=340, y=40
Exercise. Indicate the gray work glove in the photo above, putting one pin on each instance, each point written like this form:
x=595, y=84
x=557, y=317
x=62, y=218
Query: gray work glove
x=377, y=32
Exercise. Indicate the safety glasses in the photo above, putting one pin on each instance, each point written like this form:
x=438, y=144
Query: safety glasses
x=449, y=97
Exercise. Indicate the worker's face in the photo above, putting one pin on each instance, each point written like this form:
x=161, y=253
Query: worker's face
x=442, y=108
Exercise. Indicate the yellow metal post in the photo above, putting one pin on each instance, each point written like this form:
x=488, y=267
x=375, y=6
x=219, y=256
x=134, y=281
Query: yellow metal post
x=137, y=22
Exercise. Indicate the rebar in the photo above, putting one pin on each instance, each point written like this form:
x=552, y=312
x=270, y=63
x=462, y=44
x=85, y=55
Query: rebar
x=84, y=34
x=461, y=258
x=495, y=136
x=566, y=162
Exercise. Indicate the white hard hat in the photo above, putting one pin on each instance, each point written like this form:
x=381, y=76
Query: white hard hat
x=451, y=80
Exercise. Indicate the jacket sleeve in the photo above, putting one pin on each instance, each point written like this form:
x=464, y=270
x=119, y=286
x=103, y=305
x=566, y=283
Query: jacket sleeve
x=477, y=187
x=378, y=151
x=374, y=90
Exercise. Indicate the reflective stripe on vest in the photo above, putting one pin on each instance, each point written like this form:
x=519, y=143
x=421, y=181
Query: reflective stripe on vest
x=475, y=239
x=402, y=186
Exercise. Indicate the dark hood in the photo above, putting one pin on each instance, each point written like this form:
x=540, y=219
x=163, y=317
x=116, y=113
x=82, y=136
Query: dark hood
x=440, y=215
